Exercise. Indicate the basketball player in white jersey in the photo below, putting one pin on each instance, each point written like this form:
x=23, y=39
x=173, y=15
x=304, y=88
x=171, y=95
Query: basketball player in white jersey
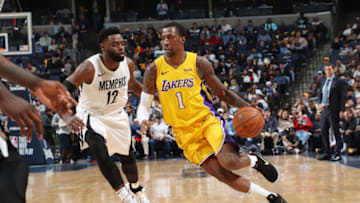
x=104, y=80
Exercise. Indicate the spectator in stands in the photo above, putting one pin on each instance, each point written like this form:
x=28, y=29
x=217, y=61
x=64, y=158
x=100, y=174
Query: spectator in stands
x=291, y=142
x=45, y=40
x=194, y=32
x=270, y=26
x=31, y=68
x=325, y=63
x=177, y=9
x=284, y=122
x=340, y=66
x=264, y=36
x=229, y=36
x=348, y=131
x=159, y=139
x=47, y=128
x=345, y=49
x=162, y=10
x=54, y=66
x=63, y=134
x=315, y=138
x=269, y=134
x=225, y=27
x=302, y=21
x=302, y=125
x=39, y=106
x=38, y=49
x=72, y=53
x=347, y=31
x=53, y=46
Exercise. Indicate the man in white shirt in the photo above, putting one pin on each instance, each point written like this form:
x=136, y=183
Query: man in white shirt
x=159, y=139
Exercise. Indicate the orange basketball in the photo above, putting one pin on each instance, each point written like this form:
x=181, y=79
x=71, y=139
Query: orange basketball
x=248, y=122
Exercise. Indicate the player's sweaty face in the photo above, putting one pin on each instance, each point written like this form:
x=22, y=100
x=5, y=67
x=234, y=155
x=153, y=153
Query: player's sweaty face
x=170, y=40
x=115, y=47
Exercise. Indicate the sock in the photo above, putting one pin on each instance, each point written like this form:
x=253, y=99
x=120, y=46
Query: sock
x=122, y=192
x=258, y=190
x=253, y=160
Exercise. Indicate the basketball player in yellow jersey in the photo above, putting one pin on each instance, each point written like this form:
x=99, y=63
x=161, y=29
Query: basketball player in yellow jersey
x=197, y=128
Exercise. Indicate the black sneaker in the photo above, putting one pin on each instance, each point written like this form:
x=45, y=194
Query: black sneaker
x=336, y=157
x=269, y=171
x=325, y=157
x=275, y=198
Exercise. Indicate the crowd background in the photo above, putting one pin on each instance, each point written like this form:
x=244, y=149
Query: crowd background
x=259, y=63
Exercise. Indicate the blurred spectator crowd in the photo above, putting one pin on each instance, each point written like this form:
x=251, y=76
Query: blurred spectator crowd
x=259, y=63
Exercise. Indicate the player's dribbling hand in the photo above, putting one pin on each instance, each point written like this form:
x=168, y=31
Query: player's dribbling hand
x=55, y=96
x=73, y=122
x=23, y=113
x=259, y=109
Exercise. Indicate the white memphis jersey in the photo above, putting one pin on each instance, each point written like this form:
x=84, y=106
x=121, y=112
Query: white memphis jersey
x=108, y=92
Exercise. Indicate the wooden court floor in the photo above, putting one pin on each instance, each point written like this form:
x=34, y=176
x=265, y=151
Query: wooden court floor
x=302, y=179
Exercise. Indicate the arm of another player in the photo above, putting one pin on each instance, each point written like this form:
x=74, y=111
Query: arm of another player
x=206, y=71
x=23, y=113
x=50, y=93
x=147, y=95
x=134, y=85
x=84, y=73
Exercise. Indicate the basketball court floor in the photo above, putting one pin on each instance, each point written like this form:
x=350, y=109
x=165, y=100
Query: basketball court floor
x=303, y=179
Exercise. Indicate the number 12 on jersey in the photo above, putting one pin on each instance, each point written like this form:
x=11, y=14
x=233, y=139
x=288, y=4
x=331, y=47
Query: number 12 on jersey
x=180, y=100
x=112, y=94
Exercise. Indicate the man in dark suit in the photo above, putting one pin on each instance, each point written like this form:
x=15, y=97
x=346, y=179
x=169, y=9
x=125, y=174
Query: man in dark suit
x=332, y=102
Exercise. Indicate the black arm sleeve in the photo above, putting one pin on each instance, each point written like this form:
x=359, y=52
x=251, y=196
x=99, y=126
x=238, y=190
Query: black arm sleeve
x=71, y=87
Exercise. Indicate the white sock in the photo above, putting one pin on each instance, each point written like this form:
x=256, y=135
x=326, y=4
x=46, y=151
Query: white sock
x=253, y=160
x=258, y=190
x=135, y=185
x=122, y=192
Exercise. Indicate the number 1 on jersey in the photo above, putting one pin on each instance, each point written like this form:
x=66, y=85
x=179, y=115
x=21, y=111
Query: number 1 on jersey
x=180, y=100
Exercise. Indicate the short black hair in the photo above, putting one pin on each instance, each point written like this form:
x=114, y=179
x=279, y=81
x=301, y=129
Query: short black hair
x=104, y=33
x=179, y=28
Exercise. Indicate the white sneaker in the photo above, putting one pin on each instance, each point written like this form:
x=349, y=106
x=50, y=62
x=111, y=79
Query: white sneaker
x=125, y=195
x=140, y=195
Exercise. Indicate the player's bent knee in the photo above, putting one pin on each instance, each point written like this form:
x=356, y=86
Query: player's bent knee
x=227, y=161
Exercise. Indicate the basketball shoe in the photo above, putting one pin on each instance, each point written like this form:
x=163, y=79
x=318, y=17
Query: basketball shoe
x=125, y=195
x=275, y=198
x=139, y=194
x=267, y=169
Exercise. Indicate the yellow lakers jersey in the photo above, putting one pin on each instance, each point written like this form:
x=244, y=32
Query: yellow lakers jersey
x=183, y=96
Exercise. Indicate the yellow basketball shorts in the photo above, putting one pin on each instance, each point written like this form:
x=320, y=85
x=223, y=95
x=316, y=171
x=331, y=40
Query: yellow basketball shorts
x=201, y=139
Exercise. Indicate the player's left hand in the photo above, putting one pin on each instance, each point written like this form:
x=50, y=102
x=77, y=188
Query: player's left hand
x=55, y=96
x=23, y=113
x=73, y=122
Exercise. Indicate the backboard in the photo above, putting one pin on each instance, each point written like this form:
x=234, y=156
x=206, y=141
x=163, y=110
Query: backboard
x=15, y=33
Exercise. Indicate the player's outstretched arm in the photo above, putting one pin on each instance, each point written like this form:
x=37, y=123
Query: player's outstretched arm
x=84, y=73
x=147, y=95
x=23, y=113
x=134, y=85
x=206, y=71
x=50, y=93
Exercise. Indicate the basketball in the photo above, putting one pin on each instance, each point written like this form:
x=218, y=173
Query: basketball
x=248, y=122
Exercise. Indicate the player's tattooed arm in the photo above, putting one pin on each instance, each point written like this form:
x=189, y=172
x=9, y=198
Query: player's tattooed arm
x=206, y=71
x=150, y=79
x=134, y=85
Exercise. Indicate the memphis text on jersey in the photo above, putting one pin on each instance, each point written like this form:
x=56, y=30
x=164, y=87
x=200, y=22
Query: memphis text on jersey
x=174, y=84
x=112, y=84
